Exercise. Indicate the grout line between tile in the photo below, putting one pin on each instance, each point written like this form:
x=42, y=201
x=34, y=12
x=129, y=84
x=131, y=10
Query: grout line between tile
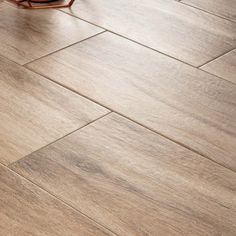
x=213, y=59
x=175, y=141
x=208, y=12
x=103, y=31
x=153, y=49
x=131, y=40
x=137, y=122
x=228, y=81
x=81, y=127
x=59, y=199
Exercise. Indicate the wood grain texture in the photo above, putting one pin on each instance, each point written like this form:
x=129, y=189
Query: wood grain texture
x=224, y=66
x=35, y=111
x=180, y=31
x=26, y=210
x=224, y=8
x=135, y=182
x=179, y=101
x=27, y=35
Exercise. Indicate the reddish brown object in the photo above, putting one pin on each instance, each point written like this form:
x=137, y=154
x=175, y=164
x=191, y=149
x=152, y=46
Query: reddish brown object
x=42, y=4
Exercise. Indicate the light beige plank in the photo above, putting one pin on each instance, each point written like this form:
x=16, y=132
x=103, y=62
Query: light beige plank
x=26, y=210
x=135, y=182
x=181, y=102
x=35, y=111
x=224, y=8
x=180, y=31
x=26, y=35
x=224, y=66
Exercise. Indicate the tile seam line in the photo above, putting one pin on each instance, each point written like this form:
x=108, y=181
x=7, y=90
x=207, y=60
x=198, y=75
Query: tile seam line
x=208, y=12
x=143, y=45
x=129, y=39
x=68, y=134
x=226, y=53
x=137, y=122
x=228, y=81
x=68, y=88
x=213, y=59
x=105, y=31
x=91, y=220
x=63, y=48
x=88, y=98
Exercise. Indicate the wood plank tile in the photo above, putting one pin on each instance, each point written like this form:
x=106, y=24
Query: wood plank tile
x=179, y=101
x=224, y=66
x=26, y=210
x=26, y=35
x=135, y=182
x=178, y=30
x=35, y=111
x=224, y=8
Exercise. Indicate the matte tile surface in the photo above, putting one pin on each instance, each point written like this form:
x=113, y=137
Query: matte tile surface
x=224, y=66
x=135, y=182
x=26, y=210
x=179, y=101
x=178, y=30
x=224, y=8
x=35, y=111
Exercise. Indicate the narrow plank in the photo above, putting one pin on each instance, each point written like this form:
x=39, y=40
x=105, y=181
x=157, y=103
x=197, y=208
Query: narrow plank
x=224, y=66
x=27, y=35
x=224, y=8
x=35, y=111
x=26, y=210
x=175, y=29
x=179, y=101
x=135, y=182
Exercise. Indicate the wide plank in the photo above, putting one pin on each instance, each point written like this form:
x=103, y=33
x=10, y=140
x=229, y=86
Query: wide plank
x=224, y=8
x=26, y=210
x=135, y=182
x=175, y=29
x=224, y=66
x=35, y=111
x=27, y=35
x=186, y=104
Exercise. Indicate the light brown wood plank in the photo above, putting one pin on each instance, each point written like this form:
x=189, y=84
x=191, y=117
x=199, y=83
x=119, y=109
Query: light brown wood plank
x=224, y=66
x=35, y=111
x=178, y=30
x=26, y=210
x=27, y=35
x=224, y=8
x=179, y=101
x=135, y=182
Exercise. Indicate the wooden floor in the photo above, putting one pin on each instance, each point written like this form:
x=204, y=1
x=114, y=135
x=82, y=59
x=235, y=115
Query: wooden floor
x=118, y=118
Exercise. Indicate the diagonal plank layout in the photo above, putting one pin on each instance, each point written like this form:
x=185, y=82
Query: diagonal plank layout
x=224, y=66
x=177, y=100
x=175, y=29
x=25, y=36
x=135, y=182
x=118, y=117
x=26, y=210
x=35, y=112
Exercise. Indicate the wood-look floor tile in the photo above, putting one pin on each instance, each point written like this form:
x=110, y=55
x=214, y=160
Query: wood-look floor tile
x=135, y=182
x=178, y=30
x=179, y=101
x=26, y=210
x=35, y=111
x=224, y=8
x=224, y=66
x=27, y=35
